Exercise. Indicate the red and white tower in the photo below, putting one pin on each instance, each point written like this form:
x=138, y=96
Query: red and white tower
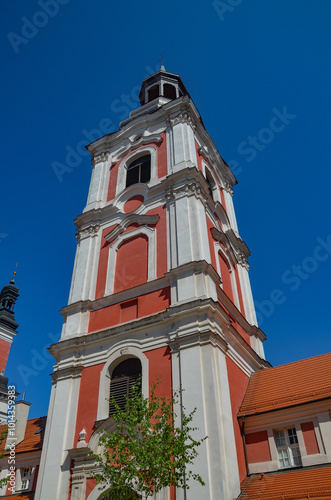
x=160, y=287
x=8, y=330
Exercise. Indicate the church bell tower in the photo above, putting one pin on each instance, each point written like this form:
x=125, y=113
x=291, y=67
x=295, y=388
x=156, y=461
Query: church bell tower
x=160, y=287
x=8, y=330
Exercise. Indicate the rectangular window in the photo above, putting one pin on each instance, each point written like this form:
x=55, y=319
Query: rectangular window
x=26, y=475
x=287, y=445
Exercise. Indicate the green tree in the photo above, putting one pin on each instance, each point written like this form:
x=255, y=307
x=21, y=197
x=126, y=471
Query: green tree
x=3, y=436
x=147, y=451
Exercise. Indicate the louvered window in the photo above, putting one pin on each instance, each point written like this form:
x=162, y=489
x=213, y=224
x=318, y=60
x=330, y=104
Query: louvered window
x=123, y=378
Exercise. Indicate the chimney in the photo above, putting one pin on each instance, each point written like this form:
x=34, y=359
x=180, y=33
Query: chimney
x=16, y=434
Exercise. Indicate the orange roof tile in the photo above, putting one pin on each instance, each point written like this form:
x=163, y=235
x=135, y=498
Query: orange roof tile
x=287, y=385
x=33, y=440
x=23, y=496
x=293, y=485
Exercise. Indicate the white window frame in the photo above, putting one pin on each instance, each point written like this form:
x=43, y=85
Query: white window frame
x=115, y=357
x=218, y=249
x=122, y=168
x=26, y=475
x=151, y=252
x=290, y=450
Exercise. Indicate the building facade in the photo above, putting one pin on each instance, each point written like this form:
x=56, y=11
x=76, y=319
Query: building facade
x=160, y=287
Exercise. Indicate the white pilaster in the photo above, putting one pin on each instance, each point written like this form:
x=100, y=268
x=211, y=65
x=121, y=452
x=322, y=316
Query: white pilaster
x=53, y=480
x=201, y=370
x=230, y=210
x=183, y=231
x=184, y=153
x=86, y=262
x=96, y=193
x=247, y=295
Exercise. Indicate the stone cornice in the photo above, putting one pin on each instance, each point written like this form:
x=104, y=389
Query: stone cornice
x=180, y=342
x=236, y=314
x=92, y=305
x=88, y=231
x=7, y=334
x=100, y=158
x=194, y=267
x=185, y=319
x=236, y=247
x=70, y=372
x=238, y=243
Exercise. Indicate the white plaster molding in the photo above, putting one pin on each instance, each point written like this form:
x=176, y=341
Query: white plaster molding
x=128, y=193
x=153, y=331
x=137, y=139
x=121, y=173
x=219, y=250
x=86, y=232
x=127, y=221
x=100, y=157
x=111, y=266
x=7, y=334
x=214, y=188
x=117, y=354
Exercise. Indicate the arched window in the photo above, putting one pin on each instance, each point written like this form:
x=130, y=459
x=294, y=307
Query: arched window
x=211, y=183
x=123, y=378
x=169, y=91
x=226, y=276
x=153, y=93
x=139, y=170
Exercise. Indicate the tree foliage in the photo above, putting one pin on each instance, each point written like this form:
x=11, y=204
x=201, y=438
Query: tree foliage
x=147, y=451
x=3, y=436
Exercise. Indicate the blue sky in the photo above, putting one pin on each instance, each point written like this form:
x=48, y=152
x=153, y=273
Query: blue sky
x=259, y=74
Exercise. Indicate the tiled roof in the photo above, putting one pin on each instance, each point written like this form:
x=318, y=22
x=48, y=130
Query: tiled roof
x=287, y=385
x=34, y=436
x=294, y=485
x=23, y=496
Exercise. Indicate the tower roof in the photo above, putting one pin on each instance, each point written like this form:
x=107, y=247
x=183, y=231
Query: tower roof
x=161, y=84
x=8, y=297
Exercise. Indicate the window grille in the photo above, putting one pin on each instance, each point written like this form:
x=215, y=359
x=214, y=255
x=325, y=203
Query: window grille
x=124, y=377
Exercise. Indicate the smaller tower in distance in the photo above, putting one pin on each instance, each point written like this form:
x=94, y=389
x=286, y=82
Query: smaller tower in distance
x=8, y=330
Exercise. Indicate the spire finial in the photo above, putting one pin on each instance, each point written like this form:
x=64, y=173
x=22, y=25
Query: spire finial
x=161, y=62
x=12, y=281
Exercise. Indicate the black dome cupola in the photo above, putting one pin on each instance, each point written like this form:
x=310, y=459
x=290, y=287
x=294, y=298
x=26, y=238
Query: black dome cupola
x=161, y=84
x=8, y=297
